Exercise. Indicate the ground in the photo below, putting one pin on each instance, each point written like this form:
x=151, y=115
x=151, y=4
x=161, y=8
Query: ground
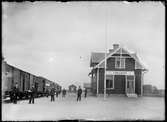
x=90, y=108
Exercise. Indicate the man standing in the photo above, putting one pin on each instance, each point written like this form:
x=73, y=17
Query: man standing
x=57, y=92
x=32, y=95
x=79, y=94
x=52, y=93
x=15, y=95
x=85, y=92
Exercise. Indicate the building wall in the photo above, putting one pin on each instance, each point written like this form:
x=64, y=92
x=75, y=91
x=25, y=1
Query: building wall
x=94, y=83
x=101, y=80
x=72, y=88
x=138, y=81
x=119, y=84
x=129, y=64
x=119, y=80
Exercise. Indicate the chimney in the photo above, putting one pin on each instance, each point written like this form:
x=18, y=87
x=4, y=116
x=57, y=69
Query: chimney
x=115, y=46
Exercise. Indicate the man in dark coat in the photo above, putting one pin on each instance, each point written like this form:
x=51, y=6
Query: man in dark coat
x=32, y=95
x=15, y=94
x=85, y=92
x=79, y=94
x=11, y=95
x=52, y=93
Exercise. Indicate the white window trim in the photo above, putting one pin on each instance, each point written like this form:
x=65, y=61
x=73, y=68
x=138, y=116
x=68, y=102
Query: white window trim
x=120, y=67
x=113, y=80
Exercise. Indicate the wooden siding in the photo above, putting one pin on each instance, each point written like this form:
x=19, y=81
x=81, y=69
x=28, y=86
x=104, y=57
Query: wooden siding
x=138, y=81
x=129, y=64
x=8, y=82
x=119, y=85
x=101, y=81
x=16, y=78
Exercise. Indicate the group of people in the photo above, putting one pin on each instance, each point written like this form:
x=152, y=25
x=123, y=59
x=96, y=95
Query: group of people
x=53, y=91
x=32, y=92
x=79, y=94
x=15, y=94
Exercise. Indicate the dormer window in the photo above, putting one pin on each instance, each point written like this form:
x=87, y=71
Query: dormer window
x=119, y=62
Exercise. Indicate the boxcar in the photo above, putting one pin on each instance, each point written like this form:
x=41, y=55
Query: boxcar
x=40, y=86
x=12, y=76
x=7, y=80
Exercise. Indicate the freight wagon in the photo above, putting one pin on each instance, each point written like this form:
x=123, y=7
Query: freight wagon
x=12, y=76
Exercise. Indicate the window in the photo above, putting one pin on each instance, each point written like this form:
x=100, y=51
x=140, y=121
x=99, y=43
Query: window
x=119, y=62
x=110, y=82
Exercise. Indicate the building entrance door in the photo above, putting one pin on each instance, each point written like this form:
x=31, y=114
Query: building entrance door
x=130, y=88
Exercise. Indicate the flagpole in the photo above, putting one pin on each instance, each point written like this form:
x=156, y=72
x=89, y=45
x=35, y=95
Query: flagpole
x=105, y=65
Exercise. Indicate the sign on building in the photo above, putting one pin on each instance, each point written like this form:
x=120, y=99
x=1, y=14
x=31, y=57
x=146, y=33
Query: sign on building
x=120, y=72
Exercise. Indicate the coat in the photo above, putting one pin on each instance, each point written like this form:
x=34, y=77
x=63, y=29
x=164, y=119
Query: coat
x=32, y=91
x=52, y=92
x=79, y=91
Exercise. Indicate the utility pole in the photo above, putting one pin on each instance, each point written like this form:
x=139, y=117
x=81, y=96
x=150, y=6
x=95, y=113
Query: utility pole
x=105, y=63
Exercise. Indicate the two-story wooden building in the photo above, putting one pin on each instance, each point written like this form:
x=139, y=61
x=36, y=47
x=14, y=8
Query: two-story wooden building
x=72, y=88
x=124, y=72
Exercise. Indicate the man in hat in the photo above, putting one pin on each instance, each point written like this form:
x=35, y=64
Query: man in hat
x=32, y=95
x=52, y=93
x=79, y=94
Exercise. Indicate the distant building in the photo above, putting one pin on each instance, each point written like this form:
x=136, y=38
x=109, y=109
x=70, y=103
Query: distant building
x=147, y=89
x=155, y=90
x=87, y=86
x=72, y=88
x=161, y=92
x=124, y=72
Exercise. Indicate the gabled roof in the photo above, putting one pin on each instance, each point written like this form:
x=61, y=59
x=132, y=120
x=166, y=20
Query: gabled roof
x=96, y=57
x=100, y=62
x=72, y=85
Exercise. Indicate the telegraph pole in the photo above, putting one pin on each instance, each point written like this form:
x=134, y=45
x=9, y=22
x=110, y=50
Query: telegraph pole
x=105, y=63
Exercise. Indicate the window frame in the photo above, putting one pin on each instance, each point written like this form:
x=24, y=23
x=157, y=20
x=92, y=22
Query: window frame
x=122, y=59
x=134, y=82
x=113, y=77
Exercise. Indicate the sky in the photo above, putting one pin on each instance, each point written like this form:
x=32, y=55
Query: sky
x=55, y=39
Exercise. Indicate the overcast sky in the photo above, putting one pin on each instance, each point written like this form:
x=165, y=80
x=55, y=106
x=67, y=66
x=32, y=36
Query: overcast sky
x=55, y=40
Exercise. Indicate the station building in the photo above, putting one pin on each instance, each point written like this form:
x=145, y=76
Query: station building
x=72, y=88
x=124, y=72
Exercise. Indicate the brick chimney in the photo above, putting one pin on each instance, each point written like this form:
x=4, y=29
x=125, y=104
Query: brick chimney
x=115, y=46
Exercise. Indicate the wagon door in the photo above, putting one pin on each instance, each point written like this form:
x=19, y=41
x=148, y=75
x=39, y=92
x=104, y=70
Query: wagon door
x=23, y=82
x=43, y=85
